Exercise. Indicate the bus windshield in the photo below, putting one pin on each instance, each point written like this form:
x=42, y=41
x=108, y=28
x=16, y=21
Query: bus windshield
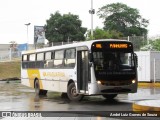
x=113, y=61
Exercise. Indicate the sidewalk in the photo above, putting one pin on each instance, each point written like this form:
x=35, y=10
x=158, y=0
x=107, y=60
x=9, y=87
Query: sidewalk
x=145, y=84
x=146, y=105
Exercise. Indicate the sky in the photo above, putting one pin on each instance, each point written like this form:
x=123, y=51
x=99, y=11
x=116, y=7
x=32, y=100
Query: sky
x=14, y=14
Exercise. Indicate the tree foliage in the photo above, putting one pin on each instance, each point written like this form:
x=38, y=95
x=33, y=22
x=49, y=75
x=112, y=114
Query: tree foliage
x=156, y=44
x=103, y=34
x=64, y=27
x=120, y=17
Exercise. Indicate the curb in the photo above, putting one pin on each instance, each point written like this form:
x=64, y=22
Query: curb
x=10, y=79
x=148, y=84
x=137, y=107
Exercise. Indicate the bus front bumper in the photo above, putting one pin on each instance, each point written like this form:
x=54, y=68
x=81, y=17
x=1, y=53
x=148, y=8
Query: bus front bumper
x=98, y=88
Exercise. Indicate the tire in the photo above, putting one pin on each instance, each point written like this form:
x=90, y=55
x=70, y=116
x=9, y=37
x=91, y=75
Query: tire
x=71, y=92
x=38, y=91
x=109, y=96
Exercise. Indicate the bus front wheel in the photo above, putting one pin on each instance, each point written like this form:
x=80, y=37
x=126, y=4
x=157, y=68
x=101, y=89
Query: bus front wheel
x=38, y=91
x=109, y=96
x=71, y=92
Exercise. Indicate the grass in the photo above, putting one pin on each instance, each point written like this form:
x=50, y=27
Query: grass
x=10, y=70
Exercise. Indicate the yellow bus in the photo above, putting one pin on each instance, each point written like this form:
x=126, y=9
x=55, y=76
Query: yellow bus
x=96, y=67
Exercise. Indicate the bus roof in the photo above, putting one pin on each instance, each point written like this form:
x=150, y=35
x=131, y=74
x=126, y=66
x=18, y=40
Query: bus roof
x=71, y=45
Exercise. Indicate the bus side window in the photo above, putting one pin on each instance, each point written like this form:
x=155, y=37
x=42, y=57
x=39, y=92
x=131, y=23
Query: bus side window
x=31, y=63
x=48, y=60
x=58, y=59
x=70, y=55
x=40, y=60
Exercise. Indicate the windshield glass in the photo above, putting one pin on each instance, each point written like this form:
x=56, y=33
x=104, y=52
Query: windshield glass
x=113, y=61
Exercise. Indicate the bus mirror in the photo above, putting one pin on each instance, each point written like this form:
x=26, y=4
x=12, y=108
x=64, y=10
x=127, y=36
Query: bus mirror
x=136, y=59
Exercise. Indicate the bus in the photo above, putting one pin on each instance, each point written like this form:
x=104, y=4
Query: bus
x=97, y=67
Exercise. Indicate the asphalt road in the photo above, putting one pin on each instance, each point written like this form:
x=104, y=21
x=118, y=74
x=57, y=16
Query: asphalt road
x=16, y=97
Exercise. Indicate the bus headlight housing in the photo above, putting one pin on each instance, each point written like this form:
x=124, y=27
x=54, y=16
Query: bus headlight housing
x=99, y=82
x=133, y=81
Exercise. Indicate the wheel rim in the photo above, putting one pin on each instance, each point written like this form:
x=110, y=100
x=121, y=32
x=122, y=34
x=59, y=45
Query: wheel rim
x=73, y=92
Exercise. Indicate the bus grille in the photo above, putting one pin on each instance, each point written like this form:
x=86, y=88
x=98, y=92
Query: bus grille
x=115, y=90
x=116, y=83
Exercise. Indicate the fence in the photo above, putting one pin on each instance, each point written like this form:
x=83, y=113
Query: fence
x=137, y=41
x=8, y=53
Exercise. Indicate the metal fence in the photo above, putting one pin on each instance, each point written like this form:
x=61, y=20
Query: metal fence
x=7, y=53
x=138, y=41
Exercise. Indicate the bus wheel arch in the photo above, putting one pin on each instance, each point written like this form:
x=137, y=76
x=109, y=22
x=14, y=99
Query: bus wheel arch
x=71, y=92
x=35, y=81
x=69, y=82
x=38, y=91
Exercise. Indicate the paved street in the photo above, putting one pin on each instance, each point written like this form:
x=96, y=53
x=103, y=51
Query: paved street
x=16, y=97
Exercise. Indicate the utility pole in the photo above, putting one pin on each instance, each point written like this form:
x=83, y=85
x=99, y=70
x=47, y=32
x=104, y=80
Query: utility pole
x=27, y=34
x=92, y=11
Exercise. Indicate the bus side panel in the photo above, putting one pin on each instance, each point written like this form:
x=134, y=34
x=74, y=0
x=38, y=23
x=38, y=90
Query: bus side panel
x=69, y=75
x=50, y=85
x=56, y=79
x=53, y=79
x=32, y=74
x=24, y=78
x=50, y=79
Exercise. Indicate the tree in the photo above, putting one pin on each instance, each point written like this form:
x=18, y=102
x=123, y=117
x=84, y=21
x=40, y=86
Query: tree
x=120, y=17
x=64, y=27
x=103, y=34
x=156, y=44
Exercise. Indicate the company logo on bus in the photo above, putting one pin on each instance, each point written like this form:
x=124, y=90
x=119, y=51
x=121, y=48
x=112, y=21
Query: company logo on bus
x=118, y=45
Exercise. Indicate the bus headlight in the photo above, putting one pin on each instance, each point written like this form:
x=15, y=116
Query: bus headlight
x=133, y=81
x=99, y=82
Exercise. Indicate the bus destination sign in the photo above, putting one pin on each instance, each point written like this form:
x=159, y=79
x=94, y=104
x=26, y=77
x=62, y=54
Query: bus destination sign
x=116, y=45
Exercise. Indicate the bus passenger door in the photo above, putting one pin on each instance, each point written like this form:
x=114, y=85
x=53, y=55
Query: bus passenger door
x=82, y=71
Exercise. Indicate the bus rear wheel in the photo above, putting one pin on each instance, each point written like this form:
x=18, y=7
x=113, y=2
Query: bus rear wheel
x=71, y=92
x=39, y=91
x=109, y=96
